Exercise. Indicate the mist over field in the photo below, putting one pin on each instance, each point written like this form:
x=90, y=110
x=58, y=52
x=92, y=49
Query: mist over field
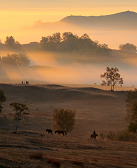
x=58, y=66
x=66, y=68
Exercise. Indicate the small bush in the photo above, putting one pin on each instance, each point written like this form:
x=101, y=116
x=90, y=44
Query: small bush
x=110, y=135
x=36, y=155
x=54, y=162
x=122, y=136
x=125, y=136
x=64, y=119
x=102, y=136
x=78, y=163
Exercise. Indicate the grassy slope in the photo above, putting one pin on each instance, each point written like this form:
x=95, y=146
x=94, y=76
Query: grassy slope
x=100, y=110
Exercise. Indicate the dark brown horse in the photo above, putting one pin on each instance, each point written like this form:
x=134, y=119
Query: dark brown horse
x=61, y=132
x=93, y=136
x=49, y=131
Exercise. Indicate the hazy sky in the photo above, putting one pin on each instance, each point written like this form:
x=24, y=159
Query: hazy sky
x=28, y=11
x=15, y=14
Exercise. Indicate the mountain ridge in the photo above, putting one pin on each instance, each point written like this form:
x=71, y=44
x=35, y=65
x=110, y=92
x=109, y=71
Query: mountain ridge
x=122, y=19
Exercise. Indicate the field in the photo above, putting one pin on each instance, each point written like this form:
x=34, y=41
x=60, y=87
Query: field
x=97, y=108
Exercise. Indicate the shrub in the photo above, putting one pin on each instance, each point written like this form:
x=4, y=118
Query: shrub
x=64, y=119
x=110, y=135
x=125, y=136
x=54, y=162
x=37, y=155
x=122, y=136
x=78, y=163
x=102, y=136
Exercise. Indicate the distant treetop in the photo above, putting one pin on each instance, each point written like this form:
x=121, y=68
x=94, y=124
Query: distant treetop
x=128, y=47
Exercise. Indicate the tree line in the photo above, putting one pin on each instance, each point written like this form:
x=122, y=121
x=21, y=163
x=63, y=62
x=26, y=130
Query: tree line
x=68, y=42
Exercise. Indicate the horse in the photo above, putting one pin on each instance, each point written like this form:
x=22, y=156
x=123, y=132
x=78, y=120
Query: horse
x=49, y=131
x=93, y=136
x=61, y=132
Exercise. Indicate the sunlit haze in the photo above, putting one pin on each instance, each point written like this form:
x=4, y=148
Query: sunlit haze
x=28, y=20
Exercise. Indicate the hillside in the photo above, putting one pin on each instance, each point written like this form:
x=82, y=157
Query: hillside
x=96, y=109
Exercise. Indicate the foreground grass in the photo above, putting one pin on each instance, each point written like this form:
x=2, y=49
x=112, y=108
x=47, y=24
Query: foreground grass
x=120, y=136
x=33, y=149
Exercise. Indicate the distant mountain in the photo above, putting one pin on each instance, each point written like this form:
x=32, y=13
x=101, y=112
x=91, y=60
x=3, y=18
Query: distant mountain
x=122, y=20
x=112, y=29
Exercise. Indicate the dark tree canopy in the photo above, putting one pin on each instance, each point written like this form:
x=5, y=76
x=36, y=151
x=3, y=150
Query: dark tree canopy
x=2, y=98
x=72, y=43
x=128, y=47
x=64, y=119
x=11, y=43
x=67, y=42
x=16, y=59
x=112, y=77
x=131, y=104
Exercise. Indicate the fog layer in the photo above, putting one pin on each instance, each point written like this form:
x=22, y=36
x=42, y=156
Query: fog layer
x=70, y=68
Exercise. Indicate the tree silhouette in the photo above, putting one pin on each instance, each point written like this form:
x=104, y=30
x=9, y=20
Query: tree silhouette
x=112, y=76
x=128, y=47
x=20, y=111
x=72, y=43
x=2, y=98
x=131, y=104
x=11, y=43
x=16, y=59
x=121, y=82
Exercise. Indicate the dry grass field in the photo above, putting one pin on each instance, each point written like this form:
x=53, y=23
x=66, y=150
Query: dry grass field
x=96, y=109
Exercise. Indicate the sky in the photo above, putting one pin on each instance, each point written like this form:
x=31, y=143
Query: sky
x=16, y=14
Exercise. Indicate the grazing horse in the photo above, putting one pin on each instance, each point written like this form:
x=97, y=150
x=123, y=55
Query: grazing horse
x=49, y=131
x=61, y=132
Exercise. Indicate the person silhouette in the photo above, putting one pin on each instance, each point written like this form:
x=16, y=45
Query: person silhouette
x=94, y=133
